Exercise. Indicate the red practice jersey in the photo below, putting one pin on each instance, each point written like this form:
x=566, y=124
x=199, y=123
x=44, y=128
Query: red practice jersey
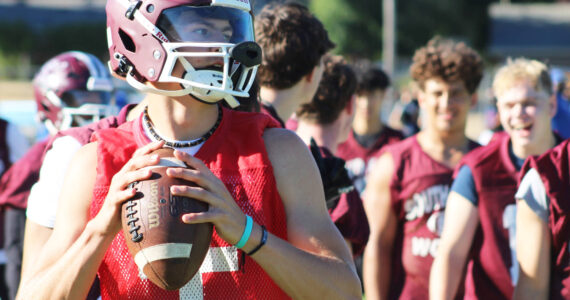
x=236, y=154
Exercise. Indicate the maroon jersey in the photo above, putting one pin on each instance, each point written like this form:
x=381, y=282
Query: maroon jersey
x=16, y=183
x=360, y=159
x=554, y=169
x=269, y=110
x=494, y=269
x=419, y=190
x=18, y=180
x=350, y=218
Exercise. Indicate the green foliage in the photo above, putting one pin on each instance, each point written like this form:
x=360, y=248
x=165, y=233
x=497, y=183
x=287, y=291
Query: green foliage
x=21, y=44
x=355, y=29
x=88, y=37
x=16, y=37
x=356, y=25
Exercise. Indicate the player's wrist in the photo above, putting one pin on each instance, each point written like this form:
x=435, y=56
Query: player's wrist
x=254, y=239
x=98, y=227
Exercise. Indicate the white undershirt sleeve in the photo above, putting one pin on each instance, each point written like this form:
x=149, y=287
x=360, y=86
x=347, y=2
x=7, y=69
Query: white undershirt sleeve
x=533, y=192
x=44, y=196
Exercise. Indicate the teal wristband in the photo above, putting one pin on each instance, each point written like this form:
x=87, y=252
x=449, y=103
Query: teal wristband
x=246, y=232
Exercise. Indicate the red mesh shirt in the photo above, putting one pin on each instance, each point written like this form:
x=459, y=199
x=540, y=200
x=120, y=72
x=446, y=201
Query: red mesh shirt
x=236, y=154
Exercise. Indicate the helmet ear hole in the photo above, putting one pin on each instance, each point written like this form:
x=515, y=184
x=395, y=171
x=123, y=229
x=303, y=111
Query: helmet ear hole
x=127, y=41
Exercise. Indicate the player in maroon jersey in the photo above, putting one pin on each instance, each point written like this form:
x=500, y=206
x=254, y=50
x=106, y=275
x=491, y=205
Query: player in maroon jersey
x=200, y=53
x=406, y=191
x=326, y=120
x=480, y=216
x=293, y=43
x=543, y=226
x=70, y=89
x=368, y=134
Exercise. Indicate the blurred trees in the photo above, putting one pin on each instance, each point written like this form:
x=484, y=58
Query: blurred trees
x=356, y=25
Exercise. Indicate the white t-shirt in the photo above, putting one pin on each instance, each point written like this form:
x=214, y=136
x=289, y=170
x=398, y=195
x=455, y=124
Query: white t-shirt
x=44, y=195
x=533, y=192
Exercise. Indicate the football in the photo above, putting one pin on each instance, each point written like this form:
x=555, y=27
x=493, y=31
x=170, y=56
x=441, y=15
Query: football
x=168, y=251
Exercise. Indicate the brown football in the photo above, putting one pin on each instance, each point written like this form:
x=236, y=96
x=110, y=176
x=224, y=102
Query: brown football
x=168, y=251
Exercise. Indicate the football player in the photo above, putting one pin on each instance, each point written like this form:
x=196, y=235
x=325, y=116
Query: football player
x=406, y=191
x=71, y=89
x=368, y=134
x=326, y=122
x=543, y=227
x=293, y=42
x=480, y=216
x=188, y=56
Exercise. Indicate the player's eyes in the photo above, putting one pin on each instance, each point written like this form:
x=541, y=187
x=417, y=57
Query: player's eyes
x=201, y=31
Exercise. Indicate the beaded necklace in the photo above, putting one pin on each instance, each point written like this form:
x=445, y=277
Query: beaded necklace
x=181, y=144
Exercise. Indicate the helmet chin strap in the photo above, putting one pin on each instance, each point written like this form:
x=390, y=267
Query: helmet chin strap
x=231, y=100
x=148, y=89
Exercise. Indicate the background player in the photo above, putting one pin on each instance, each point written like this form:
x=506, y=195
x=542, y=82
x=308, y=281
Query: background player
x=293, y=42
x=480, y=214
x=368, y=134
x=406, y=192
x=543, y=226
x=13, y=145
x=326, y=121
x=70, y=89
x=183, y=113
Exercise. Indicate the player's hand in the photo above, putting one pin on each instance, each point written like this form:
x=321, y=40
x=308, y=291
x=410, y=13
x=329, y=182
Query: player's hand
x=120, y=191
x=223, y=211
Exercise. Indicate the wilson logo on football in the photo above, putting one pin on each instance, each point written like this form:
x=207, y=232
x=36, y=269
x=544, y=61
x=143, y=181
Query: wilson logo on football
x=153, y=215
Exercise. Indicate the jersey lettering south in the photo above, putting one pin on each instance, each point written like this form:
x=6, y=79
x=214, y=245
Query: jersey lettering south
x=239, y=159
x=419, y=192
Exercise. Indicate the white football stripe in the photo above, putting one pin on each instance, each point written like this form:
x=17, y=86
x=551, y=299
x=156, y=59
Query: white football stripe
x=167, y=162
x=162, y=251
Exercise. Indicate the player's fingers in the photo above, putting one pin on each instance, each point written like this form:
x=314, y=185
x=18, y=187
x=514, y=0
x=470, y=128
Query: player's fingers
x=142, y=161
x=125, y=195
x=138, y=175
x=148, y=148
x=191, y=175
x=191, y=161
x=194, y=192
x=198, y=217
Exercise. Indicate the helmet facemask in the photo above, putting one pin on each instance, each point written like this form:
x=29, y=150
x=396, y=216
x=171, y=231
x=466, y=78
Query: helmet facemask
x=73, y=83
x=80, y=108
x=209, y=51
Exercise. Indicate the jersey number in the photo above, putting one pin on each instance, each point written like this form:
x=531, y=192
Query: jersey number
x=509, y=223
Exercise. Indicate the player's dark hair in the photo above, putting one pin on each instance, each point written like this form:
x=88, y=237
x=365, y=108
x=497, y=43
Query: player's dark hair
x=335, y=91
x=370, y=77
x=449, y=61
x=293, y=42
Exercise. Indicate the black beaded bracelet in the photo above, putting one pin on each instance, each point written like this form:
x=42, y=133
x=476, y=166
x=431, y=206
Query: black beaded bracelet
x=262, y=242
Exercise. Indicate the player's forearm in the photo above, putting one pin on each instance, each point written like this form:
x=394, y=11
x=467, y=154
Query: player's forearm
x=376, y=272
x=525, y=290
x=71, y=275
x=446, y=274
x=304, y=275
